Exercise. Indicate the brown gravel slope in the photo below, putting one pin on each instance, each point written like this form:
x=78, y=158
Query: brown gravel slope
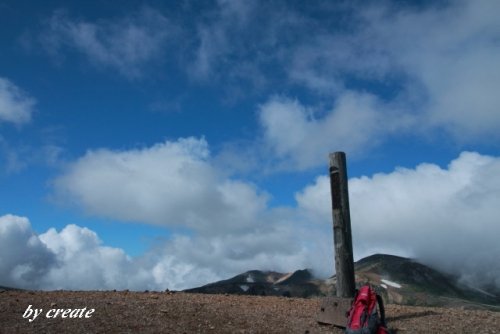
x=160, y=312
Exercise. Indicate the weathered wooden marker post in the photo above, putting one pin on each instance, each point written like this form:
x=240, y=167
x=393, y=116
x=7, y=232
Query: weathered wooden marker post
x=333, y=309
x=342, y=237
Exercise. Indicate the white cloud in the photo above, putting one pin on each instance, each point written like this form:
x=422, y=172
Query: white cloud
x=75, y=258
x=300, y=139
x=456, y=59
x=82, y=263
x=445, y=217
x=127, y=44
x=23, y=257
x=442, y=62
x=16, y=106
x=170, y=184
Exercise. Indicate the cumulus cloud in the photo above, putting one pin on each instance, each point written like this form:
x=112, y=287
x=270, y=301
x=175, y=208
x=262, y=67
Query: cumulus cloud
x=299, y=135
x=170, y=184
x=126, y=44
x=16, y=106
x=24, y=258
x=75, y=258
x=71, y=259
x=446, y=217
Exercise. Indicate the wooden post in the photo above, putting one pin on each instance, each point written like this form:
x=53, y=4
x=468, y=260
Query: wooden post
x=333, y=310
x=342, y=237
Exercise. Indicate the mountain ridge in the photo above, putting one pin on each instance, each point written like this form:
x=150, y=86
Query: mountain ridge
x=398, y=279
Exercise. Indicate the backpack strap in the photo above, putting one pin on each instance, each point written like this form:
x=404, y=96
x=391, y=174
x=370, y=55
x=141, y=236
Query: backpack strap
x=381, y=309
x=348, y=313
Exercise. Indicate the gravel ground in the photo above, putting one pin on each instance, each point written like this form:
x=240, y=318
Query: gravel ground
x=167, y=312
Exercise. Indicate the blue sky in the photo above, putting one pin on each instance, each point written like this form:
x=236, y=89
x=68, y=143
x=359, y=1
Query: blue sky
x=175, y=143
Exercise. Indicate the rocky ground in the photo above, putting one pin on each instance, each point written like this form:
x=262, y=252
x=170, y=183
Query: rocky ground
x=167, y=312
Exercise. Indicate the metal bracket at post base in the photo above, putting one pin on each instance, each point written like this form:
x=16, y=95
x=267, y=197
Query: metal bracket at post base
x=333, y=311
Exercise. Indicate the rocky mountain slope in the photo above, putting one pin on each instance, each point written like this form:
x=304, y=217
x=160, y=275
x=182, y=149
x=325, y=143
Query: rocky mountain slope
x=399, y=280
x=300, y=283
x=405, y=281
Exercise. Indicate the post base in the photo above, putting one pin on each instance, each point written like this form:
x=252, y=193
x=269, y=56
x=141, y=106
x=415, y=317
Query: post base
x=333, y=311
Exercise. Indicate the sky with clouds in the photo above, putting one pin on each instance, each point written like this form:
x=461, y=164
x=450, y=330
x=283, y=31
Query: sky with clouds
x=165, y=145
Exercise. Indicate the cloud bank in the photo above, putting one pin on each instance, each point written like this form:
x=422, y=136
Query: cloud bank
x=446, y=217
x=75, y=258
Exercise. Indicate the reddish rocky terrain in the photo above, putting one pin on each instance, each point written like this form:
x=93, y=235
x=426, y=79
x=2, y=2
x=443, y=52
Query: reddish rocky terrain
x=167, y=312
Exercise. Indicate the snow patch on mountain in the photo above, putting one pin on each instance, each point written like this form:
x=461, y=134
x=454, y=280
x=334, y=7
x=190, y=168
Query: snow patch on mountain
x=393, y=284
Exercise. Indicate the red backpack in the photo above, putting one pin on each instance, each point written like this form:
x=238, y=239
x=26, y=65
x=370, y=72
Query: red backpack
x=363, y=317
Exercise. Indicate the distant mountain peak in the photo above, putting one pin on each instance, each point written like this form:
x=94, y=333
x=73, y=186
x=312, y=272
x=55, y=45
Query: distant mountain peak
x=398, y=279
x=297, y=277
x=255, y=282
